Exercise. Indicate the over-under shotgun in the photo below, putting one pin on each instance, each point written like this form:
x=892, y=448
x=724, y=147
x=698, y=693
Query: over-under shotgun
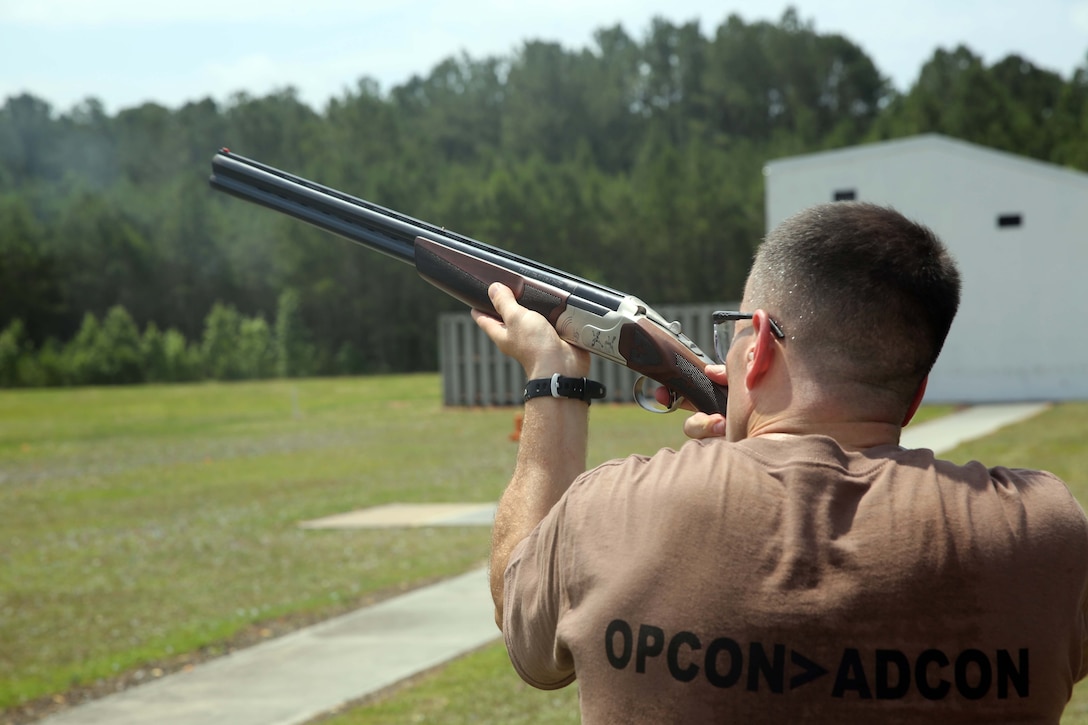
x=604, y=321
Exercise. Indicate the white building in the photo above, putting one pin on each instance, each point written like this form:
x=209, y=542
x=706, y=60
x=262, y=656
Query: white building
x=1018, y=229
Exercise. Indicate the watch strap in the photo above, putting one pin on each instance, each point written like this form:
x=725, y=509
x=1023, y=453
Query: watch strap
x=561, y=386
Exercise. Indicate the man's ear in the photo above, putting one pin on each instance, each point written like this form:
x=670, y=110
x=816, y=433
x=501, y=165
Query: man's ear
x=916, y=402
x=760, y=351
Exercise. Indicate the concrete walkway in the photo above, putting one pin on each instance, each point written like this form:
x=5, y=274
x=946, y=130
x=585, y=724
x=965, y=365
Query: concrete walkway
x=944, y=434
x=302, y=675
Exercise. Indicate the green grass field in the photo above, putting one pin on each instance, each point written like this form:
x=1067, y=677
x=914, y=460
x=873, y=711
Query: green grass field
x=145, y=527
x=148, y=527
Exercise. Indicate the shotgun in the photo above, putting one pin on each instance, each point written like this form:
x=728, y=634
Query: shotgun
x=604, y=321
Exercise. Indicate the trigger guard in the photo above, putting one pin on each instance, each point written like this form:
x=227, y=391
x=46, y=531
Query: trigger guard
x=644, y=392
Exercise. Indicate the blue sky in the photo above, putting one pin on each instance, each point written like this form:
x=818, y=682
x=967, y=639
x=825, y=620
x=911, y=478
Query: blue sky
x=124, y=52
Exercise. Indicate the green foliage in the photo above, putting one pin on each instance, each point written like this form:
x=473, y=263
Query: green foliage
x=636, y=161
x=22, y=365
x=182, y=361
x=220, y=348
x=104, y=255
x=30, y=284
x=294, y=355
x=1012, y=105
x=106, y=353
x=169, y=358
x=12, y=342
x=47, y=367
x=84, y=356
x=115, y=352
x=27, y=136
x=120, y=340
x=153, y=349
x=256, y=349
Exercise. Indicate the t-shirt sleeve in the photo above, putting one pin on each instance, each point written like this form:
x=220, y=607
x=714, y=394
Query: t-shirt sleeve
x=533, y=601
x=1070, y=522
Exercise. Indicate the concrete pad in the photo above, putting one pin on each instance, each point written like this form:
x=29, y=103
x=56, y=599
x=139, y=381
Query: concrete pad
x=294, y=678
x=399, y=515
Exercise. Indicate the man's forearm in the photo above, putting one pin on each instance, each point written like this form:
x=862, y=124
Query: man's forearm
x=551, y=454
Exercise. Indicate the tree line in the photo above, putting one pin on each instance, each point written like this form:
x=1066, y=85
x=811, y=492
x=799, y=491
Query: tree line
x=114, y=350
x=636, y=162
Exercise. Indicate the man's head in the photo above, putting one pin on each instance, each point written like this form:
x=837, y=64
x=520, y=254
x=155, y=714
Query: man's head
x=865, y=296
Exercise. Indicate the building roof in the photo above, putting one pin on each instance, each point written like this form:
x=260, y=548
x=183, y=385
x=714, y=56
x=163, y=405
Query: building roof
x=933, y=142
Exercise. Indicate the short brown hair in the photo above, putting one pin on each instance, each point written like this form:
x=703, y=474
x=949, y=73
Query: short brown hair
x=866, y=294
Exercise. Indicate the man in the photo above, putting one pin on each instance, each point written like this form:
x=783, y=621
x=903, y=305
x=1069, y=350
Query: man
x=792, y=563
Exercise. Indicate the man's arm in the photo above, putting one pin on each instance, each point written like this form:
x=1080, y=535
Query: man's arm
x=552, y=448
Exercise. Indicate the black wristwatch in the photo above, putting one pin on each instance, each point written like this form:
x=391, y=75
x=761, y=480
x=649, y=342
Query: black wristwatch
x=560, y=386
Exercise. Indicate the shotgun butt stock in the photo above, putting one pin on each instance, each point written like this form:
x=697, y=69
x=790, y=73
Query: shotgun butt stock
x=650, y=351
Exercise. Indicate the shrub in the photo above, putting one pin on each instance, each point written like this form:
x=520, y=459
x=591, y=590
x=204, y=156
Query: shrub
x=12, y=343
x=294, y=354
x=220, y=348
x=83, y=360
x=256, y=349
x=182, y=361
x=120, y=348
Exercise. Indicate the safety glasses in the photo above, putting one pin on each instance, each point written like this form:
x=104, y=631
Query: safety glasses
x=725, y=329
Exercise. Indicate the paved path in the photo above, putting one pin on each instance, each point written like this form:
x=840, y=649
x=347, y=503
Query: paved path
x=944, y=434
x=301, y=675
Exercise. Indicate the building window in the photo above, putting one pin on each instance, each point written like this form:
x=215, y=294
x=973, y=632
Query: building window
x=1009, y=221
x=845, y=195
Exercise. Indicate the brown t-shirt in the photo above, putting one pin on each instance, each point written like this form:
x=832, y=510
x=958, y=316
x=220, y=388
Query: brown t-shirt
x=783, y=579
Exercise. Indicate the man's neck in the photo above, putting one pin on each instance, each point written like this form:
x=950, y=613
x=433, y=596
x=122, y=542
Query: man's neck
x=853, y=430
x=851, y=435
x=857, y=416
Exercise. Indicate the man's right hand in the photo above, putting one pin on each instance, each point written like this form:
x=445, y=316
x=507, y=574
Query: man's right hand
x=707, y=425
